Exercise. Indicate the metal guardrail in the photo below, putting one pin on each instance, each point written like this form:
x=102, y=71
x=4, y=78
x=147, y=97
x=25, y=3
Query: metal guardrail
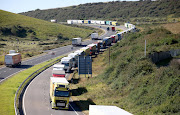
x=23, y=86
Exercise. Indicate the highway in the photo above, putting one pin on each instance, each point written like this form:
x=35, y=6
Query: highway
x=6, y=72
x=36, y=97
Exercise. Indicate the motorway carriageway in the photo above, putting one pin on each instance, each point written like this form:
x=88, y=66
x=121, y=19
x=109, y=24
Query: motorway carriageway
x=36, y=97
x=6, y=72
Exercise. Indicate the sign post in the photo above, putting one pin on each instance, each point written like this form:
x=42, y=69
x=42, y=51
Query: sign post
x=85, y=65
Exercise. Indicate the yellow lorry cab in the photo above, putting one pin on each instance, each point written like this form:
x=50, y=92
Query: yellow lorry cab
x=59, y=93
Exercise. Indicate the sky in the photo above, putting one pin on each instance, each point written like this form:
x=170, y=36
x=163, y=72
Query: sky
x=18, y=6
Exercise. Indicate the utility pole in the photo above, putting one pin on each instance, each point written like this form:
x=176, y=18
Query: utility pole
x=109, y=56
x=145, y=49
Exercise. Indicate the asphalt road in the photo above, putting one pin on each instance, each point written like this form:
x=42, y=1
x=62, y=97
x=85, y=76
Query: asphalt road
x=36, y=97
x=6, y=72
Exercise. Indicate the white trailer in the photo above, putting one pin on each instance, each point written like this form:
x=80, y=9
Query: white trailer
x=93, y=21
x=94, y=36
x=102, y=22
x=58, y=70
x=75, y=21
x=106, y=110
x=79, y=52
x=67, y=62
x=76, y=41
x=98, y=22
x=69, y=22
x=12, y=59
x=80, y=21
x=74, y=57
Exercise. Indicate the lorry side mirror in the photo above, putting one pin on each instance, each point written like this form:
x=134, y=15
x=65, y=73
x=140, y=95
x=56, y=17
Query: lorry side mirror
x=70, y=93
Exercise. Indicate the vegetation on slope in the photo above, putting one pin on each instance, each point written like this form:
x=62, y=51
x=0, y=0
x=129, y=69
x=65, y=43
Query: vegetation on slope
x=132, y=82
x=31, y=36
x=116, y=10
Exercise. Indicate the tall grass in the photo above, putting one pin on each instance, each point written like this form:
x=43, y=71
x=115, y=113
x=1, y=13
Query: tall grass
x=132, y=82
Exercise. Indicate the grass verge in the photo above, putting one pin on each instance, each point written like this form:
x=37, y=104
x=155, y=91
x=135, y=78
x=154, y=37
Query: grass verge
x=9, y=87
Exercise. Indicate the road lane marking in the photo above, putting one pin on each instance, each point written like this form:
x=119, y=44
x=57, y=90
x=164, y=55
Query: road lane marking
x=4, y=71
x=73, y=109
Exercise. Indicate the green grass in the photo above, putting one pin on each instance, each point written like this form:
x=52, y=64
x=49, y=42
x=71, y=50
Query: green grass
x=36, y=31
x=132, y=82
x=43, y=29
x=8, y=88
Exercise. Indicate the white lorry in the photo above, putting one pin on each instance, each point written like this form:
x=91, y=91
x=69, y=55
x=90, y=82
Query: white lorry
x=106, y=110
x=94, y=36
x=58, y=70
x=12, y=59
x=79, y=52
x=67, y=62
x=74, y=57
x=76, y=41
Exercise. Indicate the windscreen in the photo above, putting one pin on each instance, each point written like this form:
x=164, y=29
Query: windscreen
x=58, y=93
x=66, y=64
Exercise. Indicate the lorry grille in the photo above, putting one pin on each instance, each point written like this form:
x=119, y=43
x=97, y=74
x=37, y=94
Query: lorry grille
x=61, y=103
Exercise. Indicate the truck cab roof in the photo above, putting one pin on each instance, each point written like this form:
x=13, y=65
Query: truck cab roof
x=76, y=38
x=59, y=80
x=91, y=45
x=72, y=55
x=79, y=52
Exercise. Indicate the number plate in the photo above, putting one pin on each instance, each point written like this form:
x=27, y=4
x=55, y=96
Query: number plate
x=60, y=104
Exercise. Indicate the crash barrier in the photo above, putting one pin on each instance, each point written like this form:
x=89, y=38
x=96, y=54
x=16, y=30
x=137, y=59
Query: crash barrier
x=19, y=93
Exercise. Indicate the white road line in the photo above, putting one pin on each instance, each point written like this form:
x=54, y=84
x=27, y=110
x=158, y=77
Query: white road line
x=4, y=71
x=11, y=75
x=73, y=109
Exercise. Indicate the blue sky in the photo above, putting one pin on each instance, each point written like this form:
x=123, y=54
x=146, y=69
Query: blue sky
x=17, y=6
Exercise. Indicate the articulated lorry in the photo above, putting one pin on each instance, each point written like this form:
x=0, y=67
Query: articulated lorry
x=59, y=93
x=74, y=57
x=94, y=36
x=12, y=59
x=76, y=41
x=67, y=62
x=58, y=70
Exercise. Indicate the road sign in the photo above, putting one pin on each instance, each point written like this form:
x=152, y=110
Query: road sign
x=84, y=65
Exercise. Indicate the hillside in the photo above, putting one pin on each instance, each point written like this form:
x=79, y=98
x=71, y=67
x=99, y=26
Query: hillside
x=121, y=11
x=132, y=81
x=31, y=36
x=39, y=28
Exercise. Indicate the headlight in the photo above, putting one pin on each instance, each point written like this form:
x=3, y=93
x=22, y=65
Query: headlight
x=54, y=105
x=67, y=105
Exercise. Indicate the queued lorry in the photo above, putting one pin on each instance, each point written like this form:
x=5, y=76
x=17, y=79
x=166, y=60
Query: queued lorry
x=74, y=57
x=58, y=70
x=12, y=59
x=67, y=62
x=86, y=51
x=79, y=52
x=76, y=41
x=114, y=38
x=59, y=93
x=92, y=48
x=97, y=46
x=107, y=41
x=94, y=36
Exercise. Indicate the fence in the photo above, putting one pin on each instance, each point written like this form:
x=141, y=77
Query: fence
x=158, y=56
